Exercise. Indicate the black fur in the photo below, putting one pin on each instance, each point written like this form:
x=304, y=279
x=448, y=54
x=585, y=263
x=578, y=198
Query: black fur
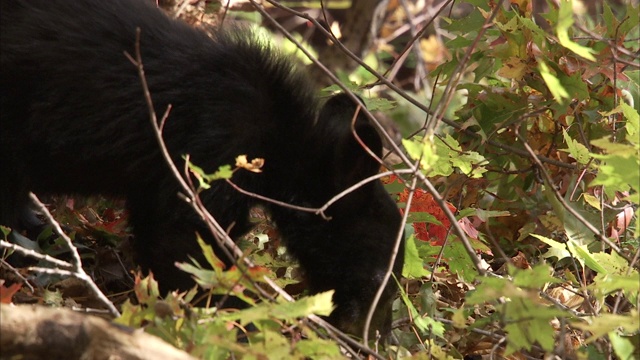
x=73, y=120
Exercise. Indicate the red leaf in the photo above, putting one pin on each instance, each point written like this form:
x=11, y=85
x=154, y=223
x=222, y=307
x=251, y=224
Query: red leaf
x=6, y=293
x=424, y=202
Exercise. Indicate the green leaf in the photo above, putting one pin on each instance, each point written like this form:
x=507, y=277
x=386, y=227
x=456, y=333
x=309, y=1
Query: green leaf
x=556, y=249
x=613, y=263
x=565, y=21
x=421, y=148
x=569, y=249
x=224, y=172
x=474, y=20
x=380, y=104
x=609, y=19
x=576, y=149
x=459, y=261
x=631, y=116
x=199, y=174
x=425, y=324
x=450, y=155
x=422, y=217
x=592, y=200
x=608, y=283
x=553, y=84
x=622, y=346
x=538, y=35
x=633, y=119
x=572, y=227
x=605, y=323
x=413, y=265
x=583, y=253
x=272, y=343
x=210, y=256
x=219, y=282
x=613, y=148
x=414, y=147
x=449, y=143
x=469, y=163
x=574, y=85
x=529, y=323
x=536, y=277
x=485, y=215
x=318, y=349
x=631, y=20
x=620, y=167
x=318, y=304
x=490, y=289
x=428, y=325
x=52, y=298
x=5, y=231
x=618, y=276
x=527, y=318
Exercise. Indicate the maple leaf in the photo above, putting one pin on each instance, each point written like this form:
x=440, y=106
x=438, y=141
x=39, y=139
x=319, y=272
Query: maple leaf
x=424, y=202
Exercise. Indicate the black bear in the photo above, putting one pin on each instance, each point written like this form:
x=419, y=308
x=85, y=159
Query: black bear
x=73, y=120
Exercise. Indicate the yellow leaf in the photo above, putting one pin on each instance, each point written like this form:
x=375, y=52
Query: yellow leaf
x=513, y=68
x=253, y=166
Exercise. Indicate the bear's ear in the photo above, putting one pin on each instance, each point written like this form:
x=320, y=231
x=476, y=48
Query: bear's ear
x=351, y=163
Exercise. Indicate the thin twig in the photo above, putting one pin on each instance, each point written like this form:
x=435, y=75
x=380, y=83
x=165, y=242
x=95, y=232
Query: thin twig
x=360, y=184
x=15, y=271
x=392, y=261
x=34, y=254
x=76, y=264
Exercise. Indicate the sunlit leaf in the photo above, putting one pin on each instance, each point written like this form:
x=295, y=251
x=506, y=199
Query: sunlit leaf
x=413, y=264
x=553, y=84
x=556, y=249
x=421, y=148
x=565, y=21
x=241, y=162
x=536, y=277
x=319, y=304
x=604, y=323
x=623, y=346
x=632, y=117
x=592, y=200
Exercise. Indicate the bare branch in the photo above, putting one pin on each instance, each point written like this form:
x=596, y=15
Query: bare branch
x=34, y=254
x=76, y=264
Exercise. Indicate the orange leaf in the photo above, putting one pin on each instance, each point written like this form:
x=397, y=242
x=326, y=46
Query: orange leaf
x=424, y=202
x=6, y=293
